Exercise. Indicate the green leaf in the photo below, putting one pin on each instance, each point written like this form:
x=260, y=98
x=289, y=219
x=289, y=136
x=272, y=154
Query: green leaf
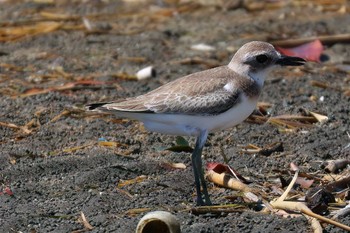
x=181, y=141
x=182, y=145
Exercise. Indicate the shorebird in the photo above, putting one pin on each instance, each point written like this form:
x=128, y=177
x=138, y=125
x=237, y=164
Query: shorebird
x=205, y=101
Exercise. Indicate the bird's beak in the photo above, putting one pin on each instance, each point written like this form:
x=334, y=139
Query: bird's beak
x=290, y=61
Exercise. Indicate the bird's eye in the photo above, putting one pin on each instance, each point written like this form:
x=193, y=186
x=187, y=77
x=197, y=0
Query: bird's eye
x=261, y=58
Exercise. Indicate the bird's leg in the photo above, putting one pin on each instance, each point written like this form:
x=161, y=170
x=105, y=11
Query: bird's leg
x=196, y=178
x=198, y=169
x=201, y=172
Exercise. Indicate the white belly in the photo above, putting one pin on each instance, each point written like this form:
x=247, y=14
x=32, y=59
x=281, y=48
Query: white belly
x=178, y=124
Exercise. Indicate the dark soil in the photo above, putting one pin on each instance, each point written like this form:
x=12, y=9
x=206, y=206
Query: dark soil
x=58, y=169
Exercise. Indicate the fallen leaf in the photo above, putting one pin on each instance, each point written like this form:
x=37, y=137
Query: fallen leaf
x=310, y=51
x=294, y=167
x=7, y=191
x=304, y=183
x=182, y=145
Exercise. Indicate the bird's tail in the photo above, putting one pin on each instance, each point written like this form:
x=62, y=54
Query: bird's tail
x=94, y=106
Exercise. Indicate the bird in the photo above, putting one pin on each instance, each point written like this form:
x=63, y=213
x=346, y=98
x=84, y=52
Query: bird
x=204, y=102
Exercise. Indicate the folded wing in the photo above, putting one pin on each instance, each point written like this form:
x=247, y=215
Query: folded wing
x=199, y=93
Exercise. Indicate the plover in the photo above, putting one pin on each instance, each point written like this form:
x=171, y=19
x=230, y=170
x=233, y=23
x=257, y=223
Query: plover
x=205, y=101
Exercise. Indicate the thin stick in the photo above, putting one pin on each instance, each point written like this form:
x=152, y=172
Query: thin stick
x=329, y=40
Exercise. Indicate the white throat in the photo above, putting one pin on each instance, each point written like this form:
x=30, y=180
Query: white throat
x=258, y=77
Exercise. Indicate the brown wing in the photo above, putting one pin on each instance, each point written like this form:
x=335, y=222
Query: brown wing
x=198, y=93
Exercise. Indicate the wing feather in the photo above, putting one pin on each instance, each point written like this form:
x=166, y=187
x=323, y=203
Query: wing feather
x=198, y=93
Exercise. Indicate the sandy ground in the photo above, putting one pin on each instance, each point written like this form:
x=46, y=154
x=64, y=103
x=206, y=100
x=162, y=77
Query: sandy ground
x=52, y=161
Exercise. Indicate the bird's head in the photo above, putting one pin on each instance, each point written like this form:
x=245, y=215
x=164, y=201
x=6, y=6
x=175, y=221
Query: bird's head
x=255, y=59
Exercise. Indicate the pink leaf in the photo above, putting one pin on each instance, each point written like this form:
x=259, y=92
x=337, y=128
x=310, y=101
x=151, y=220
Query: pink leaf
x=7, y=191
x=216, y=167
x=293, y=167
x=310, y=51
x=304, y=183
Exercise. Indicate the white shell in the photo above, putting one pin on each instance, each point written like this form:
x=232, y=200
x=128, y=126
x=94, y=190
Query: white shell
x=158, y=222
x=145, y=73
x=203, y=47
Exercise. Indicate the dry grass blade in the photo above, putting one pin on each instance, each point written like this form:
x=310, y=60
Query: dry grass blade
x=230, y=208
x=257, y=119
x=137, y=211
x=58, y=16
x=82, y=219
x=10, y=67
x=19, y=32
x=287, y=121
x=63, y=113
x=290, y=124
x=111, y=144
x=266, y=150
x=133, y=59
x=81, y=113
x=319, y=84
x=24, y=130
x=209, y=63
x=132, y=181
x=9, y=125
x=296, y=118
x=125, y=193
x=71, y=86
x=73, y=149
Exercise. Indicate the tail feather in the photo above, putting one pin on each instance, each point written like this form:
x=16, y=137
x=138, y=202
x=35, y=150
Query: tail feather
x=126, y=106
x=94, y=106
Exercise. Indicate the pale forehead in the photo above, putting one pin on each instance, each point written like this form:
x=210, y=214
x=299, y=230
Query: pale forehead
x=258, y=45
x=253, y=53
x=256, y=48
